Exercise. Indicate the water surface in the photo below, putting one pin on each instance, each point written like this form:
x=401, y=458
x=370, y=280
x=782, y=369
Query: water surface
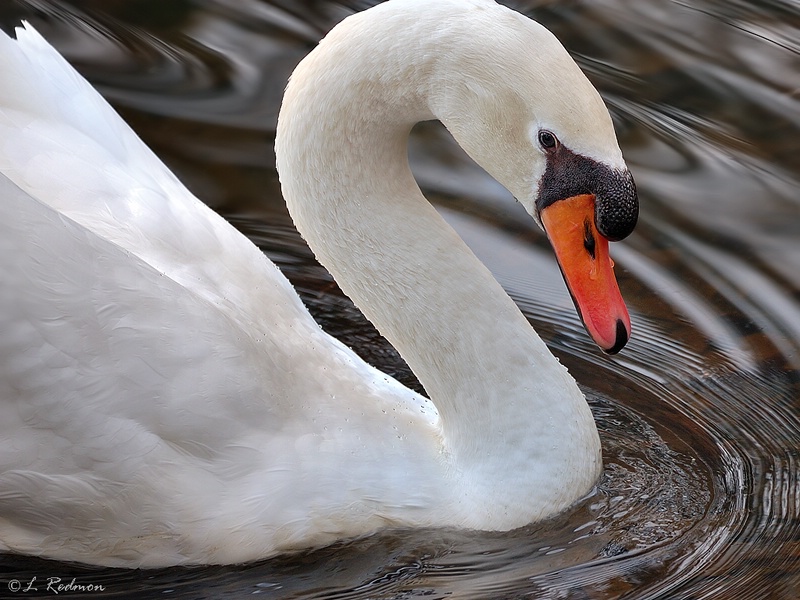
x=699, y=416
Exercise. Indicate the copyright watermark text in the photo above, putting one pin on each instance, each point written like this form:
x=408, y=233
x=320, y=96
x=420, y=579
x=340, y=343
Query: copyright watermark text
x=53, y=585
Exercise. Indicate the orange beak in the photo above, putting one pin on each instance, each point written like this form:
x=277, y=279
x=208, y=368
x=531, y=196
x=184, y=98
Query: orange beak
x=583, y=256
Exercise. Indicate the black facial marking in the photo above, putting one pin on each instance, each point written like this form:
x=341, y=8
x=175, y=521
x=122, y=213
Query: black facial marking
x=588, y=238
x=569, y=174
x=617, y=207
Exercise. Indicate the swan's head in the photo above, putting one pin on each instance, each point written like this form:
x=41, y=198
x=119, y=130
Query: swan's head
x=522, y=109
x=583, y=203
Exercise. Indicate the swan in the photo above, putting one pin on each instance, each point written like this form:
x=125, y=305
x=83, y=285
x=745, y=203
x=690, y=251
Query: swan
x=166, y=397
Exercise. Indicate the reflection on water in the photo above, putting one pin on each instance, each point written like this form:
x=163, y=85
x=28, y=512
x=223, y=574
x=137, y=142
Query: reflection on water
x=699, y=416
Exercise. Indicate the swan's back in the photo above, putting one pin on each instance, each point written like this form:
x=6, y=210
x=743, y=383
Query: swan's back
x=128, y=359
x=65, y=146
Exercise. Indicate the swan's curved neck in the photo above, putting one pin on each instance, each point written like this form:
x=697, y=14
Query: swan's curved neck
x=505, y=402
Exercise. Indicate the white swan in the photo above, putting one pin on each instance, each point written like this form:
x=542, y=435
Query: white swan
x=166, y=398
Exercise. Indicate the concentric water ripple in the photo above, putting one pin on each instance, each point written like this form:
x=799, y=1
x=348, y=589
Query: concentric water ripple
x=700, y=414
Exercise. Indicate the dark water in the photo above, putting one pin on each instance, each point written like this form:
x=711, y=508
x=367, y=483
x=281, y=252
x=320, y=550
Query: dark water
x=699, y=415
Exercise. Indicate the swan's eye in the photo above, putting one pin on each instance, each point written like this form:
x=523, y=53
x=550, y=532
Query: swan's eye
x=547, y=139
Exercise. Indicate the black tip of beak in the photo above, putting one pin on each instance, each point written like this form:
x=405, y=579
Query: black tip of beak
x=622, y=338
